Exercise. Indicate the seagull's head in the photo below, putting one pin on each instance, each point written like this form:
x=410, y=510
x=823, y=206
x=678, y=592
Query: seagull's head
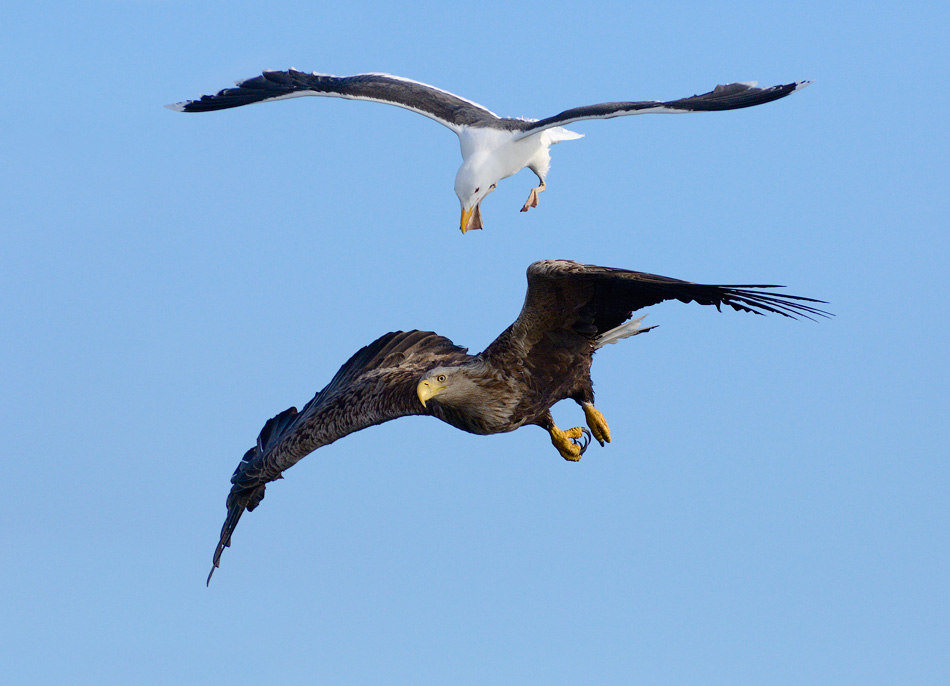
x=472, y=184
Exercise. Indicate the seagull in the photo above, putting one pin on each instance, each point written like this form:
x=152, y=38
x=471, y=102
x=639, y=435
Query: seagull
x=493, y=147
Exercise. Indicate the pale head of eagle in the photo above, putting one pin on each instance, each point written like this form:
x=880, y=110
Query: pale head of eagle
x=472, y=394
x=450, y=384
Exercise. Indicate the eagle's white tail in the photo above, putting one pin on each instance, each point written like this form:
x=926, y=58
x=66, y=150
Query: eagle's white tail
x=631, y=328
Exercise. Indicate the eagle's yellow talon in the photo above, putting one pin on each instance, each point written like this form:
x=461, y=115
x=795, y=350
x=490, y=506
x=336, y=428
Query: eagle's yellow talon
x=567, y=444
x=597, y=423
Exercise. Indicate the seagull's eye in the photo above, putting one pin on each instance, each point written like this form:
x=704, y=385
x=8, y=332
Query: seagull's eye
x=440, y=378
x=478, y=189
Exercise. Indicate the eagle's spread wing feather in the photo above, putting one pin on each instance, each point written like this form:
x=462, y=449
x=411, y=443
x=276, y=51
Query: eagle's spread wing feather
x=375, y=385
x=591, y=300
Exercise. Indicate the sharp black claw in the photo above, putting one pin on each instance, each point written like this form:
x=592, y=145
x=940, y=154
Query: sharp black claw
x=583, y=446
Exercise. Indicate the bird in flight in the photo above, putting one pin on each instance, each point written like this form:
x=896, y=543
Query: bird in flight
x=493, y=147
x=545, y=356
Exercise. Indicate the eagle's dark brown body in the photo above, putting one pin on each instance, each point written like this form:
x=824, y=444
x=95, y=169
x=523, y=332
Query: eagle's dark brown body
x=544, y=357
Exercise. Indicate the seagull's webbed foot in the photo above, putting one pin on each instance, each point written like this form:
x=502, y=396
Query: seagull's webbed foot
x=532, y=200
x=567, y=444
x=597, y=423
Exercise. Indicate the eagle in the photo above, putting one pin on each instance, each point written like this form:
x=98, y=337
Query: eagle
x=545, y=356
x=493, y=147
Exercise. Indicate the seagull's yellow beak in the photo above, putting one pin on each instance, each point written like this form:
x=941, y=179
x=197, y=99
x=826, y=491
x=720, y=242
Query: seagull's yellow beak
x=471, y=218
x=427, y=390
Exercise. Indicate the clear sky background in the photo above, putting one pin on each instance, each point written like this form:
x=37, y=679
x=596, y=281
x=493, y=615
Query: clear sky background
x=774, y=506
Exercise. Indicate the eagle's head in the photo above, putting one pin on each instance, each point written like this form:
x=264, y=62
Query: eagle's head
x=436, y=382
x=459, y=387
x=469, y=397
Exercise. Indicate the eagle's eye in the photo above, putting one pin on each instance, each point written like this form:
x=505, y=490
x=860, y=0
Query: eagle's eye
x=440, y=378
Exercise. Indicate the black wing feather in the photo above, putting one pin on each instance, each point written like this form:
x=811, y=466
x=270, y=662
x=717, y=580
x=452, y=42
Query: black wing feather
x=591, y=300
x=732, y=96
x=446, y=108
x=375, y=385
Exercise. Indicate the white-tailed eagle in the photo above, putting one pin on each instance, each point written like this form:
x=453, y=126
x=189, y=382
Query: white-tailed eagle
x=570, y=311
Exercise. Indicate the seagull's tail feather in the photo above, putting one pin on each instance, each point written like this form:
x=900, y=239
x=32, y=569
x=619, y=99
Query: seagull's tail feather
x=559, y=133
x=250, y=479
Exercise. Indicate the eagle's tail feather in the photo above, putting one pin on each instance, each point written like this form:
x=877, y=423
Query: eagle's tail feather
x=631, y=328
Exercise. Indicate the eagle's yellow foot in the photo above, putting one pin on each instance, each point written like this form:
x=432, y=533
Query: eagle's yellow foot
x=567, y=444
x=597, y=423
x=532, y=200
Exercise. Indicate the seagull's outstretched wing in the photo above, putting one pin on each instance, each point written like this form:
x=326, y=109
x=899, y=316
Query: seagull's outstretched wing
x=595, y=302
x=446, y=108
x=732, y=96
x=375, y=385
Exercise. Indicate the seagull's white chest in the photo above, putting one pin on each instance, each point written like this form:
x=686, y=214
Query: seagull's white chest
x=503, y=151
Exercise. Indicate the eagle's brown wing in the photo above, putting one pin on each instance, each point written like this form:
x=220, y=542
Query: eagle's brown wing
x=590, y=301
x=375, y=385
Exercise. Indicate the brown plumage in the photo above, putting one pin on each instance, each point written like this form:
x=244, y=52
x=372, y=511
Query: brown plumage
x=570, y=310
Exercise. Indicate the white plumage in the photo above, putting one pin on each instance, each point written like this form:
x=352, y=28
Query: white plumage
x=493, y=147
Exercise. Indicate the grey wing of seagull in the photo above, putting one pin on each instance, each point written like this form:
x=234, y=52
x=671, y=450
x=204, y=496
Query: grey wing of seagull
x=731, y=96
x=446, y=108
x=375, y=385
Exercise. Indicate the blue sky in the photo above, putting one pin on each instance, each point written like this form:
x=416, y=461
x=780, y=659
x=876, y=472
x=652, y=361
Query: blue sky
x=773, y=508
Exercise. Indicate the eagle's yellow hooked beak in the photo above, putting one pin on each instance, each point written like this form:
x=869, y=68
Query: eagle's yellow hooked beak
x=471, y=218
x=427, y=390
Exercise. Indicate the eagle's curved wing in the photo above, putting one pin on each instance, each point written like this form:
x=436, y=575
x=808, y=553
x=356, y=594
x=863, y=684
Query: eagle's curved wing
x=375, y=385
x=593, y=301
